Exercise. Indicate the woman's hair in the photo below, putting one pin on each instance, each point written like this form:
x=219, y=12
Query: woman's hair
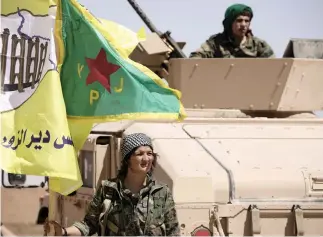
x=125, y=164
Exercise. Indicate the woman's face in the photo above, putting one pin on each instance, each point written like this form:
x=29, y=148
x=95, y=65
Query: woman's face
x=141, y=160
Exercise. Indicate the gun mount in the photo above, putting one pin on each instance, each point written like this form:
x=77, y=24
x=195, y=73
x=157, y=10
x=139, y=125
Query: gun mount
x=279, y=87
x=159, y=47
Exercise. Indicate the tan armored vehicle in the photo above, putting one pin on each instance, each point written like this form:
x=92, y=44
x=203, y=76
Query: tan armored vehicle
x=248, y=160
x=20, y=203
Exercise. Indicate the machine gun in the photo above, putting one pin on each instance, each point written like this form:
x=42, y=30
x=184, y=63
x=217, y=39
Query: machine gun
x=177, y=51
x=154, y=54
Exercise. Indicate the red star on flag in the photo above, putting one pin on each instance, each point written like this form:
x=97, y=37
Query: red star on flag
x=100, y=70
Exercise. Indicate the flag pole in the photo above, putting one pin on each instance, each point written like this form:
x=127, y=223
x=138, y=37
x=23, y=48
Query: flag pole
x=53, y=208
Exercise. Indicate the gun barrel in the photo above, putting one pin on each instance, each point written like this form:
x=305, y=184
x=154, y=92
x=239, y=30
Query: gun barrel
x=177, y=50
x=144, y=17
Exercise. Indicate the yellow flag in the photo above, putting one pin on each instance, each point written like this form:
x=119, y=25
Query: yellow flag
x=35, y=135
x=126, y=38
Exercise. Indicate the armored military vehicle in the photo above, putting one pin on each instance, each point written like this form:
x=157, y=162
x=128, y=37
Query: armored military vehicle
x=247, y=160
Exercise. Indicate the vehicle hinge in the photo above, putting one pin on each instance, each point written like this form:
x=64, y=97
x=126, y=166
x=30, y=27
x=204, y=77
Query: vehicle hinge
x=255, y=220
x=299, y=220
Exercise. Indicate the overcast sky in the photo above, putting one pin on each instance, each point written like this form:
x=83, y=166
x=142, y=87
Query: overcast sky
x=193, y=21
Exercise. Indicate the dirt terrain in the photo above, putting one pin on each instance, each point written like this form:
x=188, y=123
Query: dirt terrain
x=19, y=210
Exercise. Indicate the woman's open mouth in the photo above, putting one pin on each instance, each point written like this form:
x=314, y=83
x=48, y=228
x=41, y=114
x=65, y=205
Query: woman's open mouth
x=144, y=165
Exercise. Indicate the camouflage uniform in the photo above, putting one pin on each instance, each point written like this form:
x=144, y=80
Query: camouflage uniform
x=152, y=212
x=222, y=45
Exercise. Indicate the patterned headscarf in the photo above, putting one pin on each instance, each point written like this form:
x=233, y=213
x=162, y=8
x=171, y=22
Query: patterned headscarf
x=232, y=13
x=134, y=140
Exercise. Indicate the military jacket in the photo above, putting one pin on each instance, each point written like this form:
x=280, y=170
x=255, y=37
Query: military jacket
x=221, y=46
x=151, y=212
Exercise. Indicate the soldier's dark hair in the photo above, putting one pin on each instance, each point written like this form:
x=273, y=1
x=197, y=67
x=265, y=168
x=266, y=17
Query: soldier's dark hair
x=246, y=13
x=125, y=164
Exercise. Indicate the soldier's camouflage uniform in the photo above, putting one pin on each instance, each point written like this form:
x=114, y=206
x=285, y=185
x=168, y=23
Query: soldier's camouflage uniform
x=222, y=45
x=152, y=212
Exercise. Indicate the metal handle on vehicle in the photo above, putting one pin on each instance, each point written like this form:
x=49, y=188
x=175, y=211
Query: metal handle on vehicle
x=216, y=224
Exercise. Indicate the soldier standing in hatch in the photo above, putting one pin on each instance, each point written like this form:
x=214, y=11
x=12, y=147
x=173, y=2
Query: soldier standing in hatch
x=139, y=204
x=237, y=40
